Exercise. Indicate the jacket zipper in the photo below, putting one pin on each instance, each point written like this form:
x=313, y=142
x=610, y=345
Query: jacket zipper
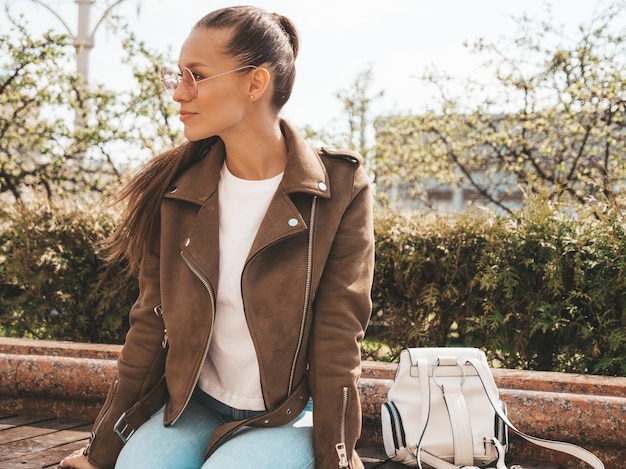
x=341, y=446
x=164, y=341
x=158, y=310
x=107, y=407
x=307, y=293
x=209, y=289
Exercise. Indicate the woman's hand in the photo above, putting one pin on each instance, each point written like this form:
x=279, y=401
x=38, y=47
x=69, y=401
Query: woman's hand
x=77, y=460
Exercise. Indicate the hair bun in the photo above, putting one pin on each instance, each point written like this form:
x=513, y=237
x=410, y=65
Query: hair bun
x=290, y=29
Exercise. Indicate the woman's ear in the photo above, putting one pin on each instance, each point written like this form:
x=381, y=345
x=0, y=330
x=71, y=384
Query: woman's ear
x=259, y=82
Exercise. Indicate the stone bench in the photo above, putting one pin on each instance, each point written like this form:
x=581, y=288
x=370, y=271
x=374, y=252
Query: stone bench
x=70, y=380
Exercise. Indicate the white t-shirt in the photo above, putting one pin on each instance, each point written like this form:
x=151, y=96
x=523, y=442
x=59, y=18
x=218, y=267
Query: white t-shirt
x=231, y=371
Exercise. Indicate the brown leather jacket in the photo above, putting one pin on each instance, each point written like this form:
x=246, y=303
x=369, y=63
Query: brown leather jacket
x=303, y=324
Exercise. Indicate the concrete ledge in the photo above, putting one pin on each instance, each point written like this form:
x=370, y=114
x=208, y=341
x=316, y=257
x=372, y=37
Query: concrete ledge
x=70, y=380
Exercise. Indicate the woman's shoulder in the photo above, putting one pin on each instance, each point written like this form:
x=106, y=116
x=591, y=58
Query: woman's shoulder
x=342, y=165
x=342, y=154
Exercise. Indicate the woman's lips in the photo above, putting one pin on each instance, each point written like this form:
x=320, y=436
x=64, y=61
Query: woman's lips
x=185, y=115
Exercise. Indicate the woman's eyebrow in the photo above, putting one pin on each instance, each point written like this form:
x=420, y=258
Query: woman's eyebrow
x=194, y=64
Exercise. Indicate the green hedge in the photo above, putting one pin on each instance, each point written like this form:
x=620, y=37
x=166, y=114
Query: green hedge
x=52, y=283
x=542, y=291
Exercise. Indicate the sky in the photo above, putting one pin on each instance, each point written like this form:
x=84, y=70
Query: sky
x=397, y=39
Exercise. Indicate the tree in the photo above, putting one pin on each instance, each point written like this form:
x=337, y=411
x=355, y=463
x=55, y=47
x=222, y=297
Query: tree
x=357, y=134
x=357, y=102
x=552, y=122
x=40, y=149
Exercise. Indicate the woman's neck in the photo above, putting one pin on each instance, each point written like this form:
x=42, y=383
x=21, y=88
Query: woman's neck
x=259, y=152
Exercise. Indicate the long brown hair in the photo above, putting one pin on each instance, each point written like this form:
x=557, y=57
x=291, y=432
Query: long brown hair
x=258, y=38
x=142, y=198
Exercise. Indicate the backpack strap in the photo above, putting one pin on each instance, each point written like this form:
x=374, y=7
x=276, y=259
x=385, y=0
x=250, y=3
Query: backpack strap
x=567, y=448
x=459, y=416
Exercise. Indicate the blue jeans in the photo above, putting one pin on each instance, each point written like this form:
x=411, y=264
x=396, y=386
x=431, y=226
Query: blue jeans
x=182, y=445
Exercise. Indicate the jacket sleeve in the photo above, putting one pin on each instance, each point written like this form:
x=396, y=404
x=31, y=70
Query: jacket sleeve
x=342, y=310
x=140, y=366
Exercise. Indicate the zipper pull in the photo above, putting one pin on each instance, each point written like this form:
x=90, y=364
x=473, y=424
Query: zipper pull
x=88, y=447
x=343, y=454
x=164, y=341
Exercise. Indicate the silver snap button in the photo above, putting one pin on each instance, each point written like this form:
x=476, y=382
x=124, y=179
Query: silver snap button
x=187, y=242
x=173, y=189
x=292, y=222
x=322, y=186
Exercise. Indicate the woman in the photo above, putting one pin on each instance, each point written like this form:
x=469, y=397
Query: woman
x=255, y=258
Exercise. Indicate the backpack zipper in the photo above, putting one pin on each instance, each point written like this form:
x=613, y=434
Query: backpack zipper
x=396, y=424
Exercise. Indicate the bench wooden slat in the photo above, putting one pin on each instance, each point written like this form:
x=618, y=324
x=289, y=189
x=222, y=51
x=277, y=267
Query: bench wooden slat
x=32, y=430
x=374, y=457
x=13, y=421
x=39, y=443
x=48, y=458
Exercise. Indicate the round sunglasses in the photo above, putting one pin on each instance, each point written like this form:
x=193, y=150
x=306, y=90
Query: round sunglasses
x=171, y=79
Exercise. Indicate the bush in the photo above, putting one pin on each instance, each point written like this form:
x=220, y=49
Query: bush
x=52, y=283
x=543, y=291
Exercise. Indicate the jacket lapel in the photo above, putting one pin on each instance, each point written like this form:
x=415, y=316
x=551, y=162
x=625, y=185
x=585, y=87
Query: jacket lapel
x=304, y=173
x=198, y=185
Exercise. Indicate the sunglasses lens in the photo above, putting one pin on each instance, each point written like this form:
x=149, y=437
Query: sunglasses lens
x=190, y=83
x=170, y=80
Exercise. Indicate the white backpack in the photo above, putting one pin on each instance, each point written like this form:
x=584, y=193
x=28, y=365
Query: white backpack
x=443, y=411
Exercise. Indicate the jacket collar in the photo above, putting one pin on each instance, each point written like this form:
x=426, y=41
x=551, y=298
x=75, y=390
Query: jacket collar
x=304, y=172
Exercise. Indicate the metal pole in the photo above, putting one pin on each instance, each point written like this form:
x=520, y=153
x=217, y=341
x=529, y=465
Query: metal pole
x=83, y=41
